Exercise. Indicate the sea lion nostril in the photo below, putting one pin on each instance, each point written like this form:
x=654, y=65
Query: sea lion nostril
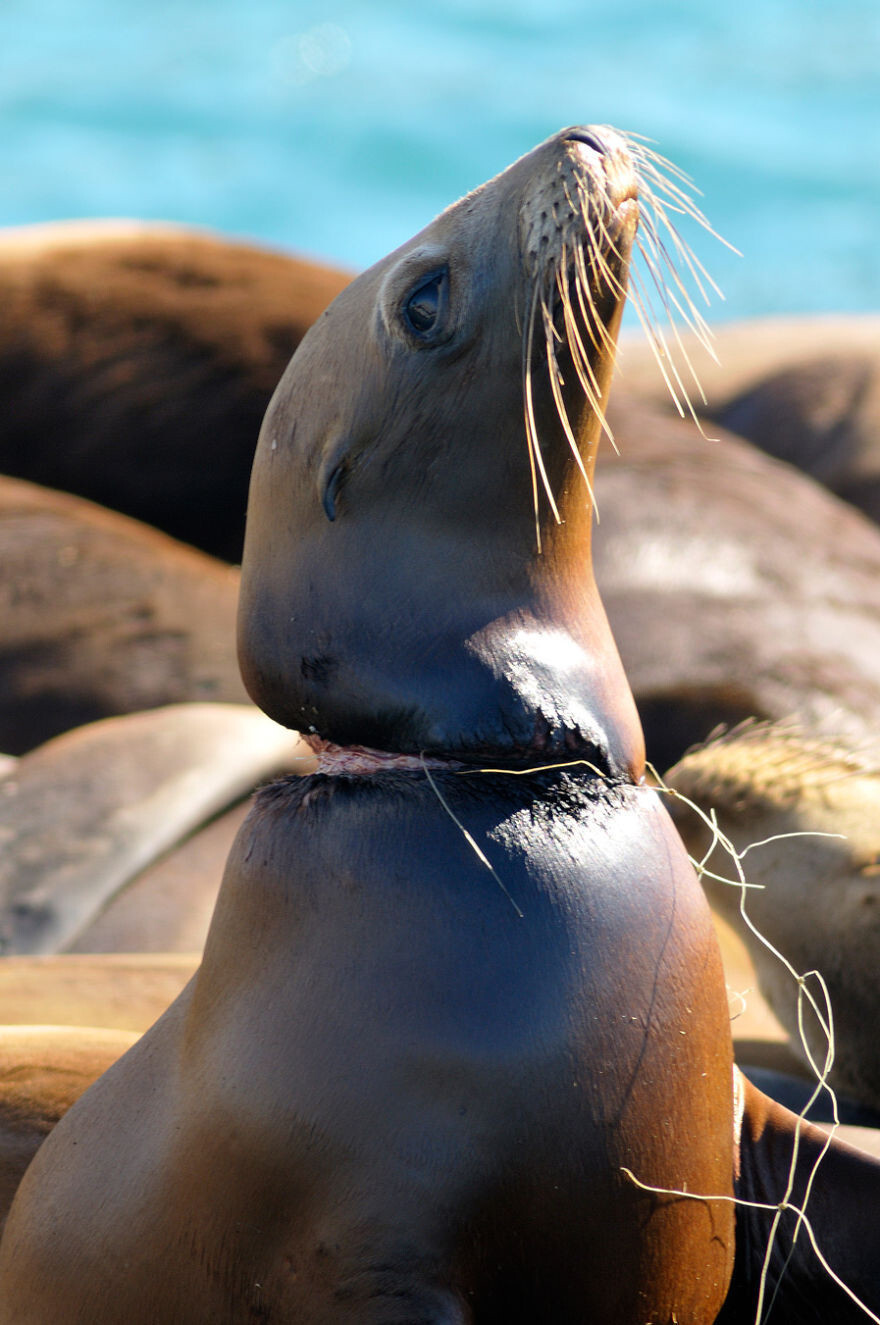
x=588, y=137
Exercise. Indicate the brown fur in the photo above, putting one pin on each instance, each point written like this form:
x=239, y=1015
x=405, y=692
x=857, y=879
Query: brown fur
x=102, y=615
x=136, y=363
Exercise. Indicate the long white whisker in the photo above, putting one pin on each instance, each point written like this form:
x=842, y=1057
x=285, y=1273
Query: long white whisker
x=581, y=256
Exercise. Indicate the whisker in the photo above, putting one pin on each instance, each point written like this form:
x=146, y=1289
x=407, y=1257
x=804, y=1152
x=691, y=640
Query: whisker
x=582, y=264
x=581, y=361
x=536, y=457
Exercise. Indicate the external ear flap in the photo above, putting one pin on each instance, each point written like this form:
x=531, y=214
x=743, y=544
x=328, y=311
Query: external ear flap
x=332, y=472
x=331, y=488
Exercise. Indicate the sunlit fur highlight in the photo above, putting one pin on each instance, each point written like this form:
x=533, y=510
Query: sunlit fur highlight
x=769, y=764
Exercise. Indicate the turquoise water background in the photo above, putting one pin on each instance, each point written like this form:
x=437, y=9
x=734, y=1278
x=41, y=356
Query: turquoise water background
x=340, y=128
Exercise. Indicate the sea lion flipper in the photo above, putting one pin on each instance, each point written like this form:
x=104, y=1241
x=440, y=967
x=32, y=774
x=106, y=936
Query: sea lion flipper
x=122, y=792
x=785, y=1161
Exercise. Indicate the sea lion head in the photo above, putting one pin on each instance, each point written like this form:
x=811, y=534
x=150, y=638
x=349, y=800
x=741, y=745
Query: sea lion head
x=417, y=574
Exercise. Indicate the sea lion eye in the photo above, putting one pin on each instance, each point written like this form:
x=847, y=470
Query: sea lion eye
x=423, y=307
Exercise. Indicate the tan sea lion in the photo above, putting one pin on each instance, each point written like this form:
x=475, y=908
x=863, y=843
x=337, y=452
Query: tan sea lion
x=418, y=323
x=816, y=897
x=136, y=362
x=121, y=792
x=404, y=1087
x=118, y=991
x=63, y=1022
x=43, y=1069
x=101, y=616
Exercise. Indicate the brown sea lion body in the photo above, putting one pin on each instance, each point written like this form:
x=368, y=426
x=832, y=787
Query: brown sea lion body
x=412, y=1124
x=805, y=390
x=741, y=590
x=136, y=362
x=102, y=616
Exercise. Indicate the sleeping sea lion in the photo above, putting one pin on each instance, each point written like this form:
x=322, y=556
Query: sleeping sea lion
x=43, y=1069
x=804, y=389
x=403, y=1086
x=821, y=414
x=745, y=352
x=102, y=616
x=136, y=362
x=741, y=589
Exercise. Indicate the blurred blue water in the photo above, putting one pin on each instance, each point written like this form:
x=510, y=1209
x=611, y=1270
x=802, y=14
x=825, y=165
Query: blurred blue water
x=339, y=128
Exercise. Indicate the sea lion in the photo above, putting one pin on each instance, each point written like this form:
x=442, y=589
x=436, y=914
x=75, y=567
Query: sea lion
x=136, y=362
x=43, y=1069
x=764, y=1052
x=102, y=616
x=805, y=390
x=744, y=353
x=742, y=589
x=402, y=1086
x=414, y=1111
x=122, y=791
x=817, y=894
x=168, y=907
x=455, y=1071
x=786, y=1166
x=118, y=991
x=821, y=414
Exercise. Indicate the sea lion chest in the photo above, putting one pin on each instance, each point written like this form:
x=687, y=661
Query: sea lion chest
x=407, y=1087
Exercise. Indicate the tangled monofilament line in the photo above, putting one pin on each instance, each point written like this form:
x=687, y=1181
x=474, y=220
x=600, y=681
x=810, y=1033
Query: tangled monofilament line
x=825, y=1020
x=823, y=1015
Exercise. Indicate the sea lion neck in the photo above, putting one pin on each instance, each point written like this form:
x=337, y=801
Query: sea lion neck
x=416, y=575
